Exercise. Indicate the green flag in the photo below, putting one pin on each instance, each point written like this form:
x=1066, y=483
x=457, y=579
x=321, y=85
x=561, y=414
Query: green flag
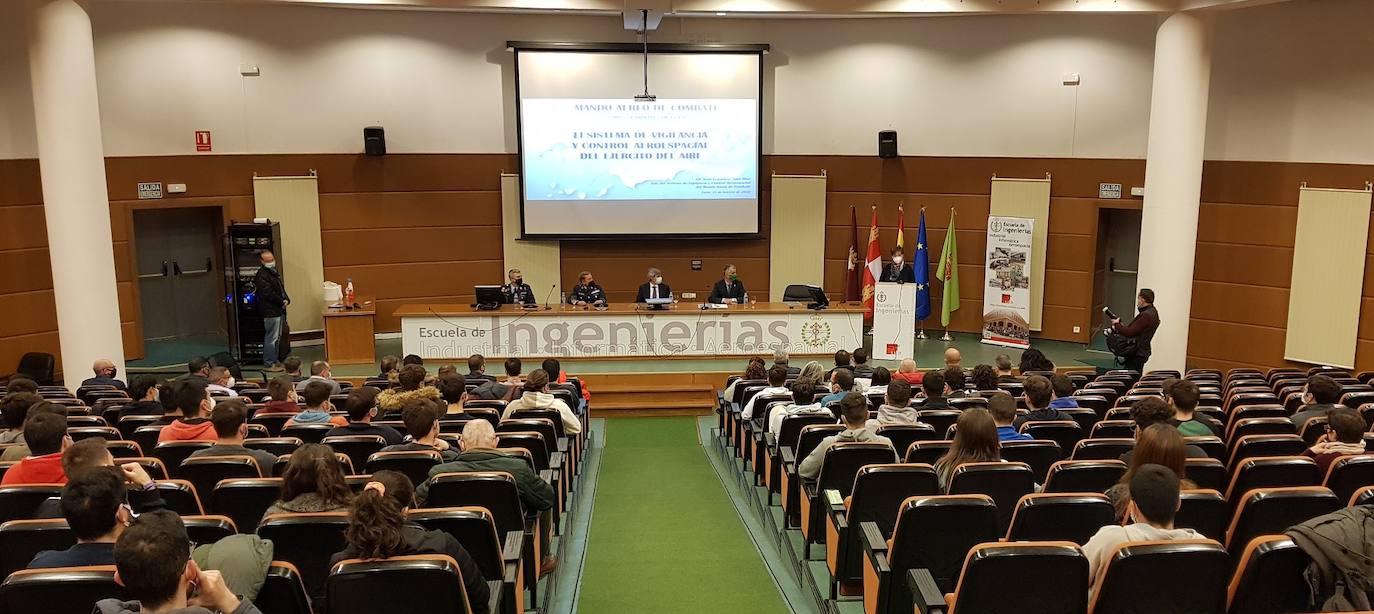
x=949, y=273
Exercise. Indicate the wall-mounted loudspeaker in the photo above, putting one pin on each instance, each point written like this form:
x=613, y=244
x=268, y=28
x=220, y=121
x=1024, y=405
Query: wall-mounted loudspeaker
x=887, y=144
x=374, y=141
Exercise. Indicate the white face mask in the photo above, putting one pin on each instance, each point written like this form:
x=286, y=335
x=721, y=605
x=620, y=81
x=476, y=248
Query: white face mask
x=658, y=280
x=896, y=260
x=270, y=265
x=230, y=382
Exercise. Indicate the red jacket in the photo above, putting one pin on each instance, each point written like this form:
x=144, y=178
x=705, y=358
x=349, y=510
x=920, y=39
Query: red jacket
x=46, y=469
x=586, y=392
x=914, y=378
x=198, y=429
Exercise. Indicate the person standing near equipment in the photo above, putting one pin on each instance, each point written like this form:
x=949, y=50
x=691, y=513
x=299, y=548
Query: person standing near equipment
x=1141, y=330
x=272, y=301
x=729, y=290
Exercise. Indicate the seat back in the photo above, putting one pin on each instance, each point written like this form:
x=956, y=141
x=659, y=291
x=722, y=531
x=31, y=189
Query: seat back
x=879, y=491
x=1348, y=474
x=415, y=584
x=530, y=442
x=181, y=497
x=278, y=446
x=790, y=430
x=811, y=436
x=964, y=520
x=415, y=464
x=1039, y=454
x=20, y=501
x=1007, y=577
x=843, y=461
x=37, y=366
x=1272, y=472
x=1267, y=511
x=274, y=421
x=1207, y=473
x=473, y=527
x=553, y=416
x=1070, y=517
x=245, y=500
x=1114, y=429
x=1102, y=449
x=493, y=490
x=903, y=435
x=1083, y=476
x=1254, y=446
x=63, y=589
x=1197, y=572
x=306, y=541
x=1066, y=433
x=283, y=591
x=108, y=433
x=927, y=452
x=939, y=419
x=204, y=472
x=171, y=453
x=20, y=540
x=208, y=529
x=1269, y=578
x=308, y=433
x=1204, y=511
x=1005, y=483
x=356, y=447
x=533, y=424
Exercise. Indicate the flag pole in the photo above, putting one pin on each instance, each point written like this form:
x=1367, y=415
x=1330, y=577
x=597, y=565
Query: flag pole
x=952, y=213
x=921, y=332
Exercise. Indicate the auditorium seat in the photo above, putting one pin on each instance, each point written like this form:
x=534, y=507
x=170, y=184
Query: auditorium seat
x=279, y=467
x=939, y=419
x=1070, y=517
x=1260, y=426
x=276, y=445
x=789, y=436
x=207, y=471
x=1363, y=496
x=1312, y=429
x=20, y=540
x=1254, y=446
x=145, y=436
x=1113, y=429
x=903, y=435
x=964, y=521
x=1262, y=410
x=1164, y=576
x=1348, y=474
x=1010, y=578
x=308, y=433
x=415, y=584
x=180, y=496
x=927, y=452
x=1067, y=433
x=357, y=447
x=1039, y=454
x=274, y=422
x=414, y=464
x=128, y=425
x=1271, y=472
x=962, y=403
x=307, y=541
x=208, y=529
x=1085, y=417
x=283, y=591
x=20, y=501
x=171, y=453
x=1072, y=476
x=1204, y=511
x=1269, y=578
x=1267, y=511
x=1102, y=449
x=62, y=589
x=878, y=493
x=124, y=449
x=498, y=556
x=1005, y=483
x=1208, y=473
x=496, y=492
x=840, y=464
x=790, y=489
x=244, y=500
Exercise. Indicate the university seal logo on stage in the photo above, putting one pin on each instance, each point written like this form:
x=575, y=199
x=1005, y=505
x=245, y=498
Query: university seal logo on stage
x=815, y=332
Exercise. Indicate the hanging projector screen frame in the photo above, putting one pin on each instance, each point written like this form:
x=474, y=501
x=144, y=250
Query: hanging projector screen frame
x=665, y=48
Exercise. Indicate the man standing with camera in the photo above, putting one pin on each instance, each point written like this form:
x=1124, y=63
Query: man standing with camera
x=1141, y=330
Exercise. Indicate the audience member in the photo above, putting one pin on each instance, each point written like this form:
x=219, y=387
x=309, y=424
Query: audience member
x=956, y=382
x=1038, y=393
x=91, y=453
x=1159, y=444
x=378, y=529
x=933, y=386
x=14, y=409
x=953, y=358
x=1003, y=409
x=975, y=441
x=292, y=368
x=410, y=384
x=93, y=502
x=388, y=368
x=752, y=372
x=412, y=359
x=445, y=370
x=984, y=378
x=857, y=427
x=453, y=390
x=557, y=375
x=19, y=383
x=803, y=402
x=1034, y=360
x=153, y=557
x=190, y=423
x=197, y=370
x=105, y=372
x=318, y=408
x=896, y=407
x=1319, y=398
x=1063, y=392
x=477, y=370
x=882, y=378
x=20, y=450
x=167, y=396
x=503, y=391
x=777, y=386
x=780, y=358
x=861, y=366
x=843, y=360
x=812, y=373
x=841, y=383
x=1154, y=501
x=221, y=382
x=45, y=434
x=1004, y=370
x=313, y=482
x=906, y=370
x=536, y=396
x=143, y=390
x=230, y=418
x=1182, y=396
x=320, y=372
x=1344, y=437
x=362, y=409
x=1148, y=412
x=281, y=397
x=421, y=418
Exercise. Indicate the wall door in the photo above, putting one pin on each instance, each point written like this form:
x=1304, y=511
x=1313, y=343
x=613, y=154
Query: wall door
x=179, y=288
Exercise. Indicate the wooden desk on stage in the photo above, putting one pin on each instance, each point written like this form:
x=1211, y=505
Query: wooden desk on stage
x=454, y=332
x=348, y=333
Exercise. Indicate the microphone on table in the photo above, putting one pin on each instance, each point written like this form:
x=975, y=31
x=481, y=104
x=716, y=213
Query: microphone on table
x=549, y=296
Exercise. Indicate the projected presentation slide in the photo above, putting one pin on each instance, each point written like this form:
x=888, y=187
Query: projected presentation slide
x=597, y=162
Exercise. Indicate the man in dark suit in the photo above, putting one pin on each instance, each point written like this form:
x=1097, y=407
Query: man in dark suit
x=587, y=291
x=654, y=288
x=1142, y=328
x=729, y=290
x=517, y=292
x=897, y=270
x=272, y=301
x=477, y=370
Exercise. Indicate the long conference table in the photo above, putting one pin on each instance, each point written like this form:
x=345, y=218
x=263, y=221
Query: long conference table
x=446, y=331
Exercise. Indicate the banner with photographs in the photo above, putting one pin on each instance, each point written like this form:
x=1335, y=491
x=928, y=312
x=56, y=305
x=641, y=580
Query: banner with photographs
x=1006, y=282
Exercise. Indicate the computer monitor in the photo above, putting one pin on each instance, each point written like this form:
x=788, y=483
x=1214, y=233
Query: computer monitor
x=488, y=297
x=814, y=296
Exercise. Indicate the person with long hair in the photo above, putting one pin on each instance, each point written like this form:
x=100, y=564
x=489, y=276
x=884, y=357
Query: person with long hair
x=753, y=371
x=1034, y=360
x=813, y=373
x=378, y=529
x=313, y=482
x=1158, y=444
x=975, y=441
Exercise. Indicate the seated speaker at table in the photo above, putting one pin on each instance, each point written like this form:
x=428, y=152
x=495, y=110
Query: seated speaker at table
x=654, y=288
x=729, y=290
x=587, y=291
x=517, y=292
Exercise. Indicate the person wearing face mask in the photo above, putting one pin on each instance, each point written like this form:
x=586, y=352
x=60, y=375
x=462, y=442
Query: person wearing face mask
x=729, y=290
x=587, y=291
x=654, y=288
x=105, y=372
x=898, y=270
x=272, y=301
x=1142, y=329
x=517, y=292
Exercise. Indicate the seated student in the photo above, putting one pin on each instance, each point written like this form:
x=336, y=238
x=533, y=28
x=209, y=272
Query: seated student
x=1154, y=501
x=861, y=366
x=21, y=450
x=1003, y=409
x=882, y=378
x=14, y=409
x=318, y=406
x=313, y=482
x=1344, y=437
x=143, y=390
x=777, y=385
x=1319, y=397
x=1159, y=444
x=378, y=529
x=1004, y=370
x=230, y=418
x=94, y=505
x=803, y=402
x=153, y=558
x=1034, y=360
x=753, y=371
x=167, y=396
x=1182, y=397
x=361, y=411
x=190, y=423
x=906, y=370
x=453, y=390
x=559, y=376
x=221, y=382
x=387, y=368
x=841, y=383
x=197, y=370
x=281, y=397
x=780, y=357
x=933, y=385
x=421, y=418
x=896, y=408
x=480, y=454
x=1151, y=411
x=320, y=372
x=412, y=359
x=20, y=383
x=1039, y=393
x=975, y=441
x=1063, y=392
x=45, y=432
x=502, y=391
x=955, y=382
x=536, y=396
x=842, y=362
x=292, y=368
x=105, y=372
x=857, y=427
x=91, y=453
x=984, y=378
x=411, y=384
x=477, y=369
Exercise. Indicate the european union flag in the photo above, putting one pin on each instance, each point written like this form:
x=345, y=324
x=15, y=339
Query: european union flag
x=921, y=266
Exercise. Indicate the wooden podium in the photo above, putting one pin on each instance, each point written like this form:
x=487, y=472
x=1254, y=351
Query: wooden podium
x=349, y=337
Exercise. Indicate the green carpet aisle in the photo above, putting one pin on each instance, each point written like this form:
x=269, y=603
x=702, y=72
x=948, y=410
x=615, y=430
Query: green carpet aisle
x=664, y=537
